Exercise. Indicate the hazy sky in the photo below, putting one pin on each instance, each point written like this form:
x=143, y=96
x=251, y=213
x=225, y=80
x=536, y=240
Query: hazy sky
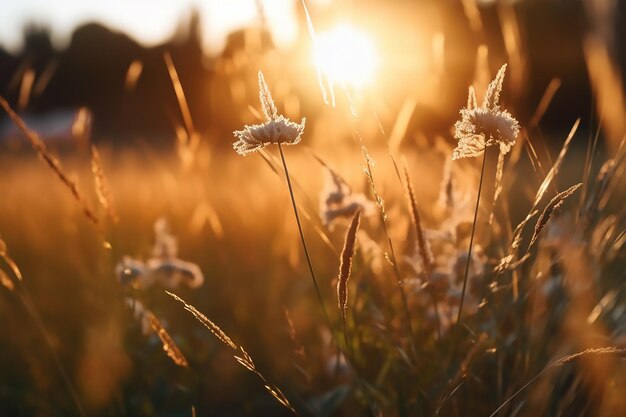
x=149, y=21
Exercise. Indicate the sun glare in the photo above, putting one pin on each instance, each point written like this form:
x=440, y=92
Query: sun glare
x=346, y=55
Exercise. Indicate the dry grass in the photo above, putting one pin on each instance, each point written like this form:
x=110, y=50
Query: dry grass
x=55, y=165
x=345, y=266
x=248, y=302
x=418, y=269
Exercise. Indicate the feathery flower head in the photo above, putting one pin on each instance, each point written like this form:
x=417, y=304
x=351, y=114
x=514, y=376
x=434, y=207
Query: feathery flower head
x=173, y=272
x=164, y=267
x=165, y=243
x=275, y=129
x=339, y=204
x=485, y=125
x=133, y=272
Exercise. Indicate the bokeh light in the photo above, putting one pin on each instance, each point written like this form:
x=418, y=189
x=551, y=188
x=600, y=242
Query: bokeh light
x=346, y=55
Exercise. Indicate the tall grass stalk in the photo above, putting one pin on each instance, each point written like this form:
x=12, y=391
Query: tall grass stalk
x=29, y=305
x=55, y=164
x=361, y=382
x=302, y=239
x=471, y=244
x=345, y=267
x=610, y=352
x=392, y=252
x=423, y=248
x=31, y=308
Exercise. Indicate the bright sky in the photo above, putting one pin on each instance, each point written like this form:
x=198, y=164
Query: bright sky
x=149, y=21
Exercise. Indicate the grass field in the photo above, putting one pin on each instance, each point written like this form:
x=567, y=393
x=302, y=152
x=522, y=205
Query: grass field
x=477, y=272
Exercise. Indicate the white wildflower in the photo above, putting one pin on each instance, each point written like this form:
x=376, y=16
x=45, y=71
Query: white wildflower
x=165, y=244
x=133, y=272
x=173, y=272
x=275, y=129
x=486, y=125
x=335, y=189
x=339, y=203
x=164, y=267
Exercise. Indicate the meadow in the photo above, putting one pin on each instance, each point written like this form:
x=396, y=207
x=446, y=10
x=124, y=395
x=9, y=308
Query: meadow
x=478, y=271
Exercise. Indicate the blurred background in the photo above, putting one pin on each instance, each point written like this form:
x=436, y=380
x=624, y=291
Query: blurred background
x=159, y=86
x=415, y=57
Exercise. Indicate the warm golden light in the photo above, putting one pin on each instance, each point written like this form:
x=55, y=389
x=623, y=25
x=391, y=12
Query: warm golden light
x=346, y=55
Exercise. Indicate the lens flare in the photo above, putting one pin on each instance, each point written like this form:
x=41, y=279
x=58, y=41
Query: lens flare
x=346, y=55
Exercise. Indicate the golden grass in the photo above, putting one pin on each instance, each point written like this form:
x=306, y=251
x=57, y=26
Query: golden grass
x=213, y=328
x=105, y=198
x=55, y=165
x=146, y=190
x=520, y=309
x=345, y=266
x=169, y=346
x=423, y=248
x=555, y=203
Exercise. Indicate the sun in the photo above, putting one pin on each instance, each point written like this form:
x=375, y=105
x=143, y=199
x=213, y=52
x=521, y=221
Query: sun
x=346, y=55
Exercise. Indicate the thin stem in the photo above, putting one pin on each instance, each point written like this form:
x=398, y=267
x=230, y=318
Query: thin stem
x=306, y=250
x=345, y=335
x=32, y=310
x=405, y=303
x=383, y=218
x=379, y=202
x=317, y=289
x=471, y=244
x=437, y=318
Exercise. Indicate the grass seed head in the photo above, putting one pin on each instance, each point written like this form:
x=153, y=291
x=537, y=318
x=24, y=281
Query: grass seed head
x=169, y=346
x=554, y=204
x=276, y=128
x=485, y=125
x=346, y=263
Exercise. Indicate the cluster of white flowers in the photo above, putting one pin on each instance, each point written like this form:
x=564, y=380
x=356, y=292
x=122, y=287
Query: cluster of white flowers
x=164, y=267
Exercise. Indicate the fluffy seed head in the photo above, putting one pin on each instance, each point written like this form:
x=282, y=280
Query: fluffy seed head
x=275, y=129
x=267, y=101
x=486, y=125
x=338, y=203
